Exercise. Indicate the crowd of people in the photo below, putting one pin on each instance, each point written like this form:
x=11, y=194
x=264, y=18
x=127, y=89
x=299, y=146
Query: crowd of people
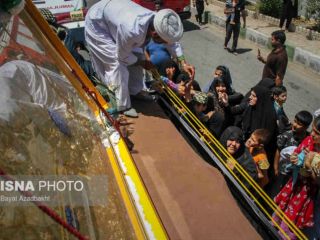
x=281, y=155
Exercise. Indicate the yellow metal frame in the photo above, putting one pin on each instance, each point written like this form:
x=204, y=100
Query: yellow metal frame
x=70, y=68
x=144, y=199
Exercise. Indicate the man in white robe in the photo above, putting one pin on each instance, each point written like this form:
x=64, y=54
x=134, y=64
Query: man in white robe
x=116, y=31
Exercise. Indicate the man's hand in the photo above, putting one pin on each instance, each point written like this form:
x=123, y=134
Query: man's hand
x=259, y=57
x=189, y=69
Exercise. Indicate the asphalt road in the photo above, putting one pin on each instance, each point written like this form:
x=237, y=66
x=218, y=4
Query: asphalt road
x=204, y=49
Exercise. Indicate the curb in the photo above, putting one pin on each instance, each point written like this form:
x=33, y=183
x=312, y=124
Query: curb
x=314, y=35
x=308, y=59
x=295, y=54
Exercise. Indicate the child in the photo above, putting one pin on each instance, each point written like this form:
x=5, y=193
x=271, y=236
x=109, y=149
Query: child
x=197, y=103
x=255, y=145
x=297, y=199
x=169, y=69
x=293, y=137
x=184, y=78
x=230, y=9
x=279, y=95
x=157, y=53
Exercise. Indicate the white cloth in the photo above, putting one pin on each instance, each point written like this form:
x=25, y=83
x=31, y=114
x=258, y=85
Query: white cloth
x=168, y=25
x=285, y=158
x=316, y=113
x=113, y=29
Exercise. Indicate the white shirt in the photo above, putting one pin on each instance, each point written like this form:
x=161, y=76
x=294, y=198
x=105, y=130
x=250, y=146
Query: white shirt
x=127, y=23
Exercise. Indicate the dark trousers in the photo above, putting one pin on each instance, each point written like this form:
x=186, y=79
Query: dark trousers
x=200, y=9
x=235, y=30
x=286, y=14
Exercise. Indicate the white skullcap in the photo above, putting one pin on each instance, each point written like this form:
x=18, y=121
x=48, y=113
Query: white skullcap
x=168, y=25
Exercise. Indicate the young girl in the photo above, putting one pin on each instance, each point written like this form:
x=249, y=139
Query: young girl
x=296, y=200
x=222, y=72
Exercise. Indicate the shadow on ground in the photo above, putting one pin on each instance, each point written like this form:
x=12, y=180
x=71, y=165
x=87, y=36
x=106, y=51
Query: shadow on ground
x=243, y=50
x=190, y=26
x=148, y=108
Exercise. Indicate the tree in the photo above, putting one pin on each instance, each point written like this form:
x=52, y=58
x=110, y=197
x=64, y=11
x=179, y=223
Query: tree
x=271, y=7
x=313, y=11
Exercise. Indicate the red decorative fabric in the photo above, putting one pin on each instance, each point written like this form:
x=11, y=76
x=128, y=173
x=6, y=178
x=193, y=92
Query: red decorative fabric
x=306, y=143
x=297, y=202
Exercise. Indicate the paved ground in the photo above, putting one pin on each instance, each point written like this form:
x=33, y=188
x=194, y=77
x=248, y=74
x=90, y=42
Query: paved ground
x=300, y=49
x=204, y=48
x=268, y=26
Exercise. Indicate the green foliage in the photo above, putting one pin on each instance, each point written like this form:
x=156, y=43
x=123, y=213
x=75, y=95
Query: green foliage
x=271, y=8
x=313, y=11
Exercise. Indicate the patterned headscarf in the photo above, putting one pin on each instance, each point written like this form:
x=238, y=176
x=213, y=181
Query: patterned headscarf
x=200, y=97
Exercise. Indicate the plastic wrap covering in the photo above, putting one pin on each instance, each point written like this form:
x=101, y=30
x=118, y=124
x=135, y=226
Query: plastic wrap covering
x=46, y=129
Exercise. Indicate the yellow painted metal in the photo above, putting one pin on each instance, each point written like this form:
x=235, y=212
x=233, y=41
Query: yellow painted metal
x=69, y=67
x=149, y=212
x=133, y=214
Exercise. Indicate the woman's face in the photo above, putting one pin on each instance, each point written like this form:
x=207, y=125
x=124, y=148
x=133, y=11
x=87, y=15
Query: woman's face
x=315, y=134
x=217, y=73
x=233, y=146
x=170, y=72
x=221, y=88
x=253, y=99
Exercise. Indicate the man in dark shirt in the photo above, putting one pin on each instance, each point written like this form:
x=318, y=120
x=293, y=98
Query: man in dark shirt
x=234, y=28
x=277, y=61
